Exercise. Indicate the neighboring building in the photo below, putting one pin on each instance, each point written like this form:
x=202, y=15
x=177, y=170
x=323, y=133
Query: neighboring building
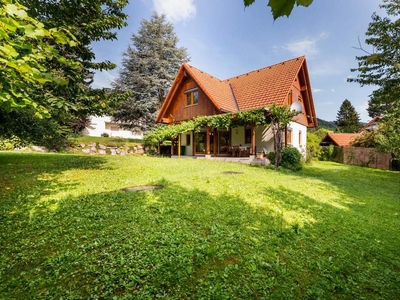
x=338, y=139
x=344, y=139
x=101, y=125
x=195, y=93
x=371, y=125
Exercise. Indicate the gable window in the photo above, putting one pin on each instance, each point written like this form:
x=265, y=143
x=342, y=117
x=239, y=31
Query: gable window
x=192, y=97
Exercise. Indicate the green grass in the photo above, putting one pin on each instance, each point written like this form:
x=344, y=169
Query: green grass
x=329, y=231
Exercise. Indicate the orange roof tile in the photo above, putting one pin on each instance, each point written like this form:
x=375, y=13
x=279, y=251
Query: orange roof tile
x=219, y=92
x=263, y=87
x=256, y=89
x=342, y=139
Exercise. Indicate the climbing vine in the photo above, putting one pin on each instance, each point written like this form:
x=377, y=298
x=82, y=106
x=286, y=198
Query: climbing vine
x=227, y=121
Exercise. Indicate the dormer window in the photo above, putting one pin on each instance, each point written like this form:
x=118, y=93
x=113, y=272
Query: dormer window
x=192, y=97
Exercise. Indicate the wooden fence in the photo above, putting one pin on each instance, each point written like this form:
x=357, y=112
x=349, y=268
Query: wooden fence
x=368, y=157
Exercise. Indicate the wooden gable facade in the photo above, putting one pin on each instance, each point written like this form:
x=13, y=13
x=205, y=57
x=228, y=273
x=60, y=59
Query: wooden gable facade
x=196, y=93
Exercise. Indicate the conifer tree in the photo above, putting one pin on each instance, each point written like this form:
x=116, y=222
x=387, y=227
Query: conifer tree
x=149, y=67
x=347, y=119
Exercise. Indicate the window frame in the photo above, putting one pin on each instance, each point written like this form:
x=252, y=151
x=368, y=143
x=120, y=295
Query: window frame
x=193, y=95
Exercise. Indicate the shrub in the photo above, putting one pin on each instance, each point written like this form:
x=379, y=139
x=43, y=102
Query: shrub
x=271, y=157
x=105, y=134
x=291, y=159
x=328, y=153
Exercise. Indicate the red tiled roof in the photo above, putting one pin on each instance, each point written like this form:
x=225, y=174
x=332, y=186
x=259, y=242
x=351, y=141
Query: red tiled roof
x=256, y=89
x=263, y=87
x=342, y=139
x=219, y=92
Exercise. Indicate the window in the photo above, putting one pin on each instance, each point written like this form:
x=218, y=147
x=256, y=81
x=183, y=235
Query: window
x=188, y=140
x=289, y=137
x=114, y=128
x=247, y=136
x=192, y=97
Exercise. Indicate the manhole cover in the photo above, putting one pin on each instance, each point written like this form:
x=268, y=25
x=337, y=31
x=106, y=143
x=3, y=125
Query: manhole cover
x=232, y=172
x=141, y=188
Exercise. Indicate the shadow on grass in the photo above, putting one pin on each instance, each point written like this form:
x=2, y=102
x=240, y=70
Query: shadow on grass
x=178, y=243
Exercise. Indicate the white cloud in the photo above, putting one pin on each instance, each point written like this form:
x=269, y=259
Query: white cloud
x=317, y=90
x=307, y=46
x=176, y=10
x=332, y=90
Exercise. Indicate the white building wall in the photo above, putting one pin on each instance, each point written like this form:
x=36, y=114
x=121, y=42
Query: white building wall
x=100, y=125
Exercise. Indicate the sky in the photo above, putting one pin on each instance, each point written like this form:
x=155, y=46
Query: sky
x=225, y=39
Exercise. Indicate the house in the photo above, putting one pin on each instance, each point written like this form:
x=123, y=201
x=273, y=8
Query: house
x=371, y=125
x=105, y=126
x=344, y=139
x=196, y=93
x=338, y=139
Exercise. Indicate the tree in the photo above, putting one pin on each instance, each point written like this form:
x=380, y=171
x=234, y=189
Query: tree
x=148, y=68
x=278, y=118
x=381, y=67
x=281, y=8
x=89, y=20
x=27, y=53
x=347, y=119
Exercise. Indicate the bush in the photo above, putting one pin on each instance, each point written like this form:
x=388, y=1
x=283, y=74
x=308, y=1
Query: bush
x=271, y=157
x=291, y=159
x=328, y=153
x=105, y=134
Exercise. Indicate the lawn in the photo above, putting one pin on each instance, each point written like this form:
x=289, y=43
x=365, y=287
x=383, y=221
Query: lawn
x=215, y=231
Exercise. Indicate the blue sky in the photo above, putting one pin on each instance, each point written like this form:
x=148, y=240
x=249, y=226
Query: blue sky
x=224, y=39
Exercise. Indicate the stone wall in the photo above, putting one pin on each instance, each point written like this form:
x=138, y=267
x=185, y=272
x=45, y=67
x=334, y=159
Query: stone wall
x=100, y=149
x=368, y=157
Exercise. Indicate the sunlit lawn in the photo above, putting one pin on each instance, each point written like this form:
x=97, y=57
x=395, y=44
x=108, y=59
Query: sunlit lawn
x=216, y=230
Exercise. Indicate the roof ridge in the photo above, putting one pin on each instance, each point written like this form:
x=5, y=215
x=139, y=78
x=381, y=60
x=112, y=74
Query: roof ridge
x=190, y=66
x=267, y=67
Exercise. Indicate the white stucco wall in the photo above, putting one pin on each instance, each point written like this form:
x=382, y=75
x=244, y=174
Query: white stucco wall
x=100, y=125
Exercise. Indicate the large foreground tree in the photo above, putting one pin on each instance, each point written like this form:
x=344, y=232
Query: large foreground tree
x=89, y=21
x=381, y=67
x=347, y=119
x=148, y=68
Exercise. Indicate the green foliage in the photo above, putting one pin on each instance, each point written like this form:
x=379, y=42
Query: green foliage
x=148, y=69
x=347, y=119
x=281, y=8
x=367, y=139
x=291, y=159
x=76, y=235
x=388, y=138
x=381, y=67
x=278, y=118
x=313, y=150
x=165, y=132
x=48, y=70
x=26, y=53
x=328, y=153
x=326, y=124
